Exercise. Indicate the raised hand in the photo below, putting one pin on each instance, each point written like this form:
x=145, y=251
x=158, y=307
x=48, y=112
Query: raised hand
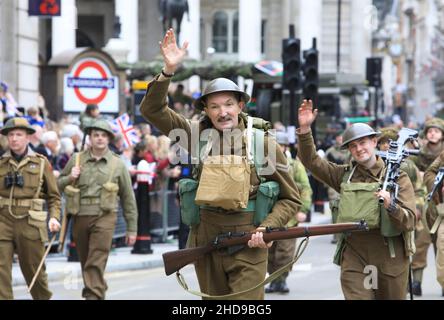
x=172, y=54
x=306, y=115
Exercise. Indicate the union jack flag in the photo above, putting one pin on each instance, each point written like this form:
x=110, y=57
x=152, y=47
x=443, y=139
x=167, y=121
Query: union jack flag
x=123, y=125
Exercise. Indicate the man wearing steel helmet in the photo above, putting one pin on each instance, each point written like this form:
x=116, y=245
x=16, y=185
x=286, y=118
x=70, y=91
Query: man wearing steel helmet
x=222, y=101
x=373, y=254
x=100, y=178
x=26, y=181
x=434, y=145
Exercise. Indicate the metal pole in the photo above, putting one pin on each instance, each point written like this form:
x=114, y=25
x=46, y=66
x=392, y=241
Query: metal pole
x=338, y=52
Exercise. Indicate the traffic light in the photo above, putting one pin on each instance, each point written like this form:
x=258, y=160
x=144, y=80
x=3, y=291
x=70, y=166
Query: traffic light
x=311, y=73
x=291, y=58
x=374, y=68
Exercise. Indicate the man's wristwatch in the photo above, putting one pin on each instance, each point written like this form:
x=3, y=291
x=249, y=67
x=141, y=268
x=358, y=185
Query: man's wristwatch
x=167, y=75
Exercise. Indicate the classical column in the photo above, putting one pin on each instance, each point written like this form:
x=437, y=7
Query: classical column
x=128, y=12
x=64, y=28
x=190, y=30
x=310, y=23
x=250, y=20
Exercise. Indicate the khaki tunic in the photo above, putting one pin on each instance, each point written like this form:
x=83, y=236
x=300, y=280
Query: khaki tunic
x=429, y=178
x=16, y=232
x=220, y=274
x=367, y=248
x=93, y=228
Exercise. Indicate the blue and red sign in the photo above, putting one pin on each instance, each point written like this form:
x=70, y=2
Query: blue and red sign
x=52, y=8
x=90, y=81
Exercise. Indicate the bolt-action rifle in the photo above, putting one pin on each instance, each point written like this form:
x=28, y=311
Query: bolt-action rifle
x=176, y=260
x=437, y=185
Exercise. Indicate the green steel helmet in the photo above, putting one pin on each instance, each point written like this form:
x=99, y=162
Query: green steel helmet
x=388, y=133
x=220, y=85
x=434, y=123
x=100, y=124
x=17, y=123
x=357, y=131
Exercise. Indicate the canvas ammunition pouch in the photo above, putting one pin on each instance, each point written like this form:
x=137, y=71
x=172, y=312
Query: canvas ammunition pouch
x=38, y=219
x=189, y=210
x=72, y=197
x=266, y=197
x=72, y=194
x=224, y=182
x=109, y=192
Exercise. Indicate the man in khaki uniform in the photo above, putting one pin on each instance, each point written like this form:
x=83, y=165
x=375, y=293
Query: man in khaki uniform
x=101, y=178
x=380, y=254
x=282, y=252
x=222, y=273
x=26, y=182
x=434, y=137
x=433, y=216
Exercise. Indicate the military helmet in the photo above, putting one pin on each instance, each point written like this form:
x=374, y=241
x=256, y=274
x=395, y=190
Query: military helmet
x=357, y=131
x=388, y=133
x=17, y=123
x=220, y=85
x=434, y=123
x=100, y=124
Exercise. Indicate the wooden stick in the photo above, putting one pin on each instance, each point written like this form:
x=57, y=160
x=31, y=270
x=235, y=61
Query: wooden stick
x=41, y=262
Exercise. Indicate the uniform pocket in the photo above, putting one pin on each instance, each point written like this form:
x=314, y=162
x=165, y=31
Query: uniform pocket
x=72, y=196
x=108, y=196
x=37, y=221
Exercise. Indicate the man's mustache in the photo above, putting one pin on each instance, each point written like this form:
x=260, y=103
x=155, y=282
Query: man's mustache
x=223, y=119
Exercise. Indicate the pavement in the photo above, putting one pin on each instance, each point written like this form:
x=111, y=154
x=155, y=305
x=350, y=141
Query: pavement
x=121, y=259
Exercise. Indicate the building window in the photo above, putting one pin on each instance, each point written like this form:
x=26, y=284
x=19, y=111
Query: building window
x=236, y=32
x=220, y=31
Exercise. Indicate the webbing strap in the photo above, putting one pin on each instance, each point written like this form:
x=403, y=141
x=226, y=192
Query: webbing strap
x=273, y=276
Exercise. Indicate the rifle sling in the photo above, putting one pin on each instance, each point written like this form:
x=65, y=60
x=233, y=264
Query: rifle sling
x=300, y=250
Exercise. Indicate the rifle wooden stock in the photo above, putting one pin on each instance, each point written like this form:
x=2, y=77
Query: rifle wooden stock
x=176, y=260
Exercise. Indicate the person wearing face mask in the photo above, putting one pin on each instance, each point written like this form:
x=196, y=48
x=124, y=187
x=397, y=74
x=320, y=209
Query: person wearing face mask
x=374, y=264
x=227, y=182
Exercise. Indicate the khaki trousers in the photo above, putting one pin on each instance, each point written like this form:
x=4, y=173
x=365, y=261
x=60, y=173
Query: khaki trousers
x=93, y=236
x=422, y=243
x=367, y=270
x=220, y=273
x=440, y=254
x=281, y=253
x=16, y=235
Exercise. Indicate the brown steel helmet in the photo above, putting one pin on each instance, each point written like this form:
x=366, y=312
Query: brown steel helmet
x=220, y=85
x=388, y=133
x=434, y=123
x=357, y=131
x=17, y=123
x=100, y=124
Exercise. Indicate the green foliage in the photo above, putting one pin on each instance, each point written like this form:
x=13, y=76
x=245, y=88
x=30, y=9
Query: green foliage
x=205, y=70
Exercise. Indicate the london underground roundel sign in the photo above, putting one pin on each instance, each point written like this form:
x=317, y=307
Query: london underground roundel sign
x=90, y=82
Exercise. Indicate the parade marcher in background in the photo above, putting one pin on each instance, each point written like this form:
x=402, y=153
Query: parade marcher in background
x=434, y=215
x=434, y=145
x=89, y=116
x=26, y=182
x=92, y=190
x=358, y=183
x=222, y=101
x=337, y=155
x=283, y=251
x=419, y=260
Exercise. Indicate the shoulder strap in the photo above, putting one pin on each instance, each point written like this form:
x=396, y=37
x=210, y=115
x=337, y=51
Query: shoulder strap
x=113, y=168
x=42, y=170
